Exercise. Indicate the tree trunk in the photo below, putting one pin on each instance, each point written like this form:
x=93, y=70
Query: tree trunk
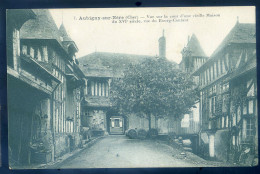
x=149, y=119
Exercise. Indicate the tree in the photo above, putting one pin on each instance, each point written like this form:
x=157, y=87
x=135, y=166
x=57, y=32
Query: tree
x=155, y=86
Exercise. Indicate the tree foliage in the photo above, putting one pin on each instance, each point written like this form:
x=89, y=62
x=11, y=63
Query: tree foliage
x=155, y=86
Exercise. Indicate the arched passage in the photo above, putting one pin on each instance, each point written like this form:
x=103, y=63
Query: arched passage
x=116, y=123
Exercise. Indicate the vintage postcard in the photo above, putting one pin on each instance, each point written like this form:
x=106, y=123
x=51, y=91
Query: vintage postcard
x=132, y=87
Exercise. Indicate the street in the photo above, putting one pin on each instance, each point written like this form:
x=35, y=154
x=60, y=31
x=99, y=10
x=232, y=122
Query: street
x=119, y=151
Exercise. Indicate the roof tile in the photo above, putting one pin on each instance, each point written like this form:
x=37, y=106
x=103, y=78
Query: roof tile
x=194, y=47
x=43, y=27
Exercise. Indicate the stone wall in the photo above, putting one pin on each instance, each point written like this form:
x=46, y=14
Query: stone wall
x=163, y=125
x=136, y=122
x=66, y=142
x=95, y=119
x=221, y=144
x=61, y=144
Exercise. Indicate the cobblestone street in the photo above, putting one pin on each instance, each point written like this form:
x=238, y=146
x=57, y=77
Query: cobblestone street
x=122, y=152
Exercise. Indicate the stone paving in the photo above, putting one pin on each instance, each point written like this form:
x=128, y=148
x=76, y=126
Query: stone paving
x=119, y=151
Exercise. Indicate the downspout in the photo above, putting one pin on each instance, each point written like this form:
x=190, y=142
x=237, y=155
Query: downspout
x=52, y=120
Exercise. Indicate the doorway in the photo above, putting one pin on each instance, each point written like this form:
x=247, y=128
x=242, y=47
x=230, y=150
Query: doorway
x=116, y=126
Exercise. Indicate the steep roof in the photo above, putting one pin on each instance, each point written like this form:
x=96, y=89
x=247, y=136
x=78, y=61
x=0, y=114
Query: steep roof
x=64, y=33
x=240, y=33
x=43, y=27
x=18, y=17
x=66, y=40
x=194, y=47
x=104, y=64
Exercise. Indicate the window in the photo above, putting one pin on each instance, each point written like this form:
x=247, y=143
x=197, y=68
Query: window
x=71, y=126
x=96, y=89
x=251, y=90
x=227, y=60
x=215, y=70
x=32, y=52
x=214, y=89
x=227, y=125
x=212, y=105
x=92, y=89
x=56, y=73
x=205, y=77
x=39, y=54
x=200, y=79
x=234, y=119
x=219, y=67
x=244, y=109
x=225, y=103
x=24, y=49
x=238, y=114
x=223, y=67
x=233, y=140
x=250, y=106
x=211, y=73
x=248, y=130
x=208, y=74
x=99, y=89
x=225, y=87
x=106, y=89
x=219, y=123
x=117, y=123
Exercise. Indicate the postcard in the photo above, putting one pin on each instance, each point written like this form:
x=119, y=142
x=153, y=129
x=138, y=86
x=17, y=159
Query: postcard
x=132, y=87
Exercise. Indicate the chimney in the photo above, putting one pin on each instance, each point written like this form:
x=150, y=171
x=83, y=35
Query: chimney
x=162, y=46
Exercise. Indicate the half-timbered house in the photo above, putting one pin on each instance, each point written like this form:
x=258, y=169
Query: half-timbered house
x=100, y=68
x=220, y=106
x=43, y=80
x=193, y=56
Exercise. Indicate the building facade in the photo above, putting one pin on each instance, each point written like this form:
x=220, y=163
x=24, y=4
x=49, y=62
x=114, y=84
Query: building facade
x=100, y=69
x=96, y=104
x=193, y=57
x=243, y=109
x=221, y=105
x=43, y=80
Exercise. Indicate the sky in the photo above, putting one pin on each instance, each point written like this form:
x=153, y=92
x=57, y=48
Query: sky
x=142, y=38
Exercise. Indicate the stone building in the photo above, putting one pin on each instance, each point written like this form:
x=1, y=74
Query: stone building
x=43, y=79
x=228, y=95
x=193, y=57
x=243, y=108
x=100, y=68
